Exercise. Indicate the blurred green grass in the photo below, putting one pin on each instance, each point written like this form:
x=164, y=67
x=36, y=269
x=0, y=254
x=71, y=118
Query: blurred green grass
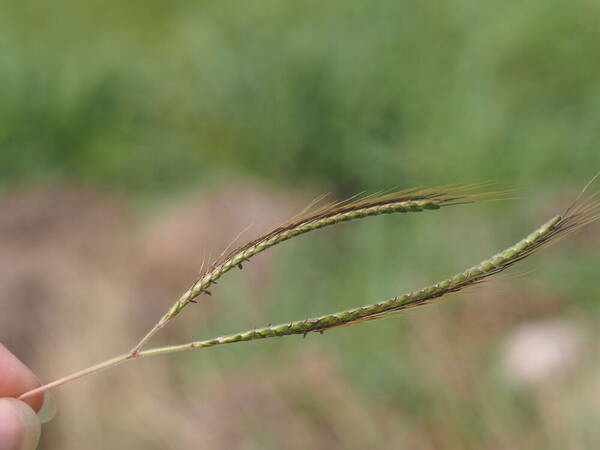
x=353, y=95
x=154, y=99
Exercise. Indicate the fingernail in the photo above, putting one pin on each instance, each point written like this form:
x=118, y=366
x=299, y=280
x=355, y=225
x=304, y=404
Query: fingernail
x=48, y=409
x=19, y=425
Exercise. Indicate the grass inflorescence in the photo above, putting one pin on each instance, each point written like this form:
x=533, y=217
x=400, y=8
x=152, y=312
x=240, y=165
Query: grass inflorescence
x=555, y=228
x=579, y=214
x=314, y=218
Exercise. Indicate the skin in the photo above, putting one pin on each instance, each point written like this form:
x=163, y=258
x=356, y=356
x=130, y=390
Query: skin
x=19, y=424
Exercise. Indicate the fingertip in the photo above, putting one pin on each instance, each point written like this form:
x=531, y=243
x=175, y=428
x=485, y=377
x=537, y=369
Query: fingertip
x=17, y=379
x=19, y=425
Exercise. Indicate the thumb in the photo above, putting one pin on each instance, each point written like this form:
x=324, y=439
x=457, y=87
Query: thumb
x=19, y=425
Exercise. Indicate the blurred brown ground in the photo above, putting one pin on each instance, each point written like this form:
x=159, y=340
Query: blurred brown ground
x=83, y=277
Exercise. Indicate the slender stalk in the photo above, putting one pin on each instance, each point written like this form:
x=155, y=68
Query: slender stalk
x=112, y=362
x=575, y=217
x=396, y=202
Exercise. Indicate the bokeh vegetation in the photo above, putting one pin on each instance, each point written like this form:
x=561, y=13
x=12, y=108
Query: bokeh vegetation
x=194, y=113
